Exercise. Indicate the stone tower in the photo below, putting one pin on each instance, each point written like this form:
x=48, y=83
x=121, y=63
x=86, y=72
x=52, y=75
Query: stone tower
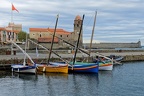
x=77, y=25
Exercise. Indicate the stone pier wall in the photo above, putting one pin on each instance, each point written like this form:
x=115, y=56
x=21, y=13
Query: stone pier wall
x=133, y=58
x=113, y=45
x=127, y=58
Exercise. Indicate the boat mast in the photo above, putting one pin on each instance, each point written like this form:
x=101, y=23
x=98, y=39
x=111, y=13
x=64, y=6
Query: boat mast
x=78, y=41
x=72, y=45
x=92, y=32
x=24, y=63
x=53, y=39
x=23, y=51
x=48, y=50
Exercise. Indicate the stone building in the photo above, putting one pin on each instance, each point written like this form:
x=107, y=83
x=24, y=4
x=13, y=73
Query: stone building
x=10, y=33
x=43, y=35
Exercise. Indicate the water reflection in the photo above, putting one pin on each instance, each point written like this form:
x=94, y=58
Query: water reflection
x=84, y=84
x=70, y=84
x=25, y=76
x=105, y=83
x=55, y=84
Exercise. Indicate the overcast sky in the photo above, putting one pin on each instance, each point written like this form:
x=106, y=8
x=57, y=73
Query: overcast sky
x=117, y=20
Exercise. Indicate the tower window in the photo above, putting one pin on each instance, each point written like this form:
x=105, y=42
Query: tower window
x=40, y=35
x=77, y=25
x=78, y=22
x=60, y=35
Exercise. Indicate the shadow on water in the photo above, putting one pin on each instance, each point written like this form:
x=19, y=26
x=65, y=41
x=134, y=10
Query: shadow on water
x=9, y=74
x=53, y=75
x=4, y=74
x=27, y=77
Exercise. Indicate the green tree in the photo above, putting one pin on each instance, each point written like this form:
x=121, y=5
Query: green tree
x=22, y=36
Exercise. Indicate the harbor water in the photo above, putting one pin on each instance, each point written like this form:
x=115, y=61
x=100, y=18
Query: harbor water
x=124, y=80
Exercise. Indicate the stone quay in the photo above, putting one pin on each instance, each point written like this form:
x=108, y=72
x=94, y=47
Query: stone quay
x=129, y=55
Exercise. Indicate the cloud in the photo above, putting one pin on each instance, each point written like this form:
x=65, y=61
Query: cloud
x=117, y=20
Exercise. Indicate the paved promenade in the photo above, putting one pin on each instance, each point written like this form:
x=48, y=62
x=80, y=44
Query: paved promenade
x=33, y=55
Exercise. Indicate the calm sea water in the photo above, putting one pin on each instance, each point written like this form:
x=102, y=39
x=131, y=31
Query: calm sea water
x=124, y=80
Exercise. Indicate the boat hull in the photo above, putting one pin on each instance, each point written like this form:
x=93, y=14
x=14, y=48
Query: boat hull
x=81, y=67
x=106, y=66
x=23, y=69
x=53, y=68
x=116, y=59
x=41, y=68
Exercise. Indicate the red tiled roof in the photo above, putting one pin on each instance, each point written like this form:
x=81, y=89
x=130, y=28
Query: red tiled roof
x=4, y=29
x=38, y=29
x=15, y=31
x=58, y=31
x=47, y=40
x=77, y=17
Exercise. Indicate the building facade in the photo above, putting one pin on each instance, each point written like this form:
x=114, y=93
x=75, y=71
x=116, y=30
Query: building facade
x=44, y=35
x=10, y=33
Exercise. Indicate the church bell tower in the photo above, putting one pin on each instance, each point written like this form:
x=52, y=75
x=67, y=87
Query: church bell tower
x=77, y=26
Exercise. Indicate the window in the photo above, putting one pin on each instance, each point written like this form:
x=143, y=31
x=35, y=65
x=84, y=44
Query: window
x=60, y=35
x=8, y=37
x=77, y=25
x=40, y=35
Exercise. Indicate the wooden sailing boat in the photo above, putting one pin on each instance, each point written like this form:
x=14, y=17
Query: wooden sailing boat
x=105, y=63
x=82, y=67
x=21, y=68
x=24, y=68
x=51, y=67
